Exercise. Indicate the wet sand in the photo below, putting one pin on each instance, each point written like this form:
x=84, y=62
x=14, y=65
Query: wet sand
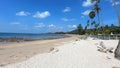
x=15, y=52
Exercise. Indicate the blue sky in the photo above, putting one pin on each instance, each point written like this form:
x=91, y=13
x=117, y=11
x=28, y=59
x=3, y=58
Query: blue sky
x=41, y=16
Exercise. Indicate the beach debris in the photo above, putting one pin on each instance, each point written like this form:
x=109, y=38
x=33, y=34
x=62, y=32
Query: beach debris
x=76, y=40
x=110, y=50
x=102, y=45
x=115, y=67
x=117, y=51
x=102, y=48
x=108, y=57
x=14, y=39
x=53, y=50
x=26, y=57
x=18, y=41
x=2, y=65
x=12, y=56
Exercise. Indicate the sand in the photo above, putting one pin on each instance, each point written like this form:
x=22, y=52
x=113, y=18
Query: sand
x=72, y=54
x=17, y=52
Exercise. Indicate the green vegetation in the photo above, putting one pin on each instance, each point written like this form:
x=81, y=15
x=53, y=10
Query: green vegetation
x=93, y=27
x=96, y=30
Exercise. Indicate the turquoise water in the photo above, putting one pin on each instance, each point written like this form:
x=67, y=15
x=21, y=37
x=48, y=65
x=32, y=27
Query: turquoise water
x=31, y=36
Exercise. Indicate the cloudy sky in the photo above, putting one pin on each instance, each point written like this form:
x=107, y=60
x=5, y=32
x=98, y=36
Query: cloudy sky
x=41, y=16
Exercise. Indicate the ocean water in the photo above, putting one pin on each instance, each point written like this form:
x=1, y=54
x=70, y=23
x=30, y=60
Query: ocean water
x=31, y=36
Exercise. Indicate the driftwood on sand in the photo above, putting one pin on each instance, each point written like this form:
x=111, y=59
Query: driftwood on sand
x=117, y=51
x=102, y=48
x=53, y=50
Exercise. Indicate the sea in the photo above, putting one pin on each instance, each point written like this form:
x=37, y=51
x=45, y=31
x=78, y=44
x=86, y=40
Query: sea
x=32, y=36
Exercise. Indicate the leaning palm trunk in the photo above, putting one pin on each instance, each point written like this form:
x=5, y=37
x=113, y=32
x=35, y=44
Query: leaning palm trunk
x=98, y=18
x=117, y=50
x=117, y=11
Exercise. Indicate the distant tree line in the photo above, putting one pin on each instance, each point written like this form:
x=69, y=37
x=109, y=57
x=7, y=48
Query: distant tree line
x=94, y=27
x=96, y=30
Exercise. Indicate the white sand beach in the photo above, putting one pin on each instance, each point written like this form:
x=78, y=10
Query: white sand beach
x=73, y=54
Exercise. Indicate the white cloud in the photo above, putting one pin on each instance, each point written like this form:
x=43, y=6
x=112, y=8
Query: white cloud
x=87, y=3
x=60, y=28
x=66, y=19
x=117, y=3
x=54, y=28
x=86, y=12
x=72, y=26
x=22, y=13
x=15, y=23
x=39, y=25
x=111, y=1
x=82, y=16
x=67, y=9
x=51, y=26
x=42, y=14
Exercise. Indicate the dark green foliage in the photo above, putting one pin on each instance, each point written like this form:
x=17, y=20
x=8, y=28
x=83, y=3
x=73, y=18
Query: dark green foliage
x=96, y=30
x=94, y=25
x=96, y=8
x=80, y=29
x=92, y=14
x=59, y=33
x=73, y=32
x=108, y=30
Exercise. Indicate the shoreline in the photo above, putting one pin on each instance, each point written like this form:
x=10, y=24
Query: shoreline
x=74, y=54
x=16, y=52
x=19, y=40
x=74, y=51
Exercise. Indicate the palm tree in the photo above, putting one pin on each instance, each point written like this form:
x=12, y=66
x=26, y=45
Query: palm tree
x=87, y=26
x=117, y=11
x=80, y=29
x=92, y=14
x=96, y=8
x=88, y=23
x=117, y=50
x=95, y=11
